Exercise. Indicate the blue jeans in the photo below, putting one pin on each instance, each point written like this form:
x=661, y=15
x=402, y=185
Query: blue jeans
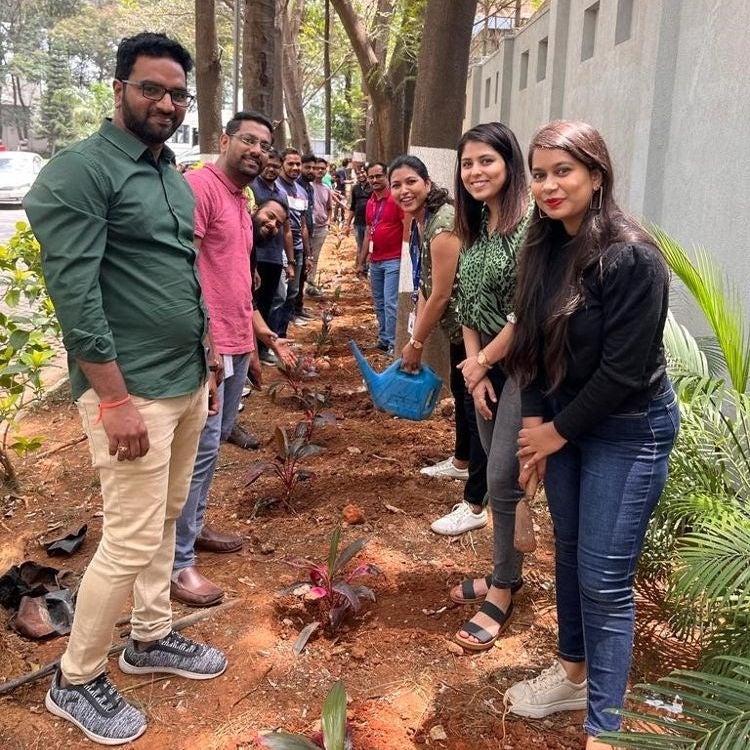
x=384, y=282
x=292, y=290
x=601, y=489
x=216, y=430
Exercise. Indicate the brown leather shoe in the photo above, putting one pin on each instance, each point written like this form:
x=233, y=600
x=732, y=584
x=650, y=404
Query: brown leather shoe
x=210, y=540
x=194, y=589
x=239, y=436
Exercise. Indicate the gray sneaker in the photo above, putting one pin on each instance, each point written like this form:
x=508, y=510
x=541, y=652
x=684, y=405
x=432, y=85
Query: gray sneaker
x=175, y=655
x=97, y=709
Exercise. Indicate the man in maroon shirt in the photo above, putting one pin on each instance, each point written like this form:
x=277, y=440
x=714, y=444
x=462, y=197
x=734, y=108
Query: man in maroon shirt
x=382, y=243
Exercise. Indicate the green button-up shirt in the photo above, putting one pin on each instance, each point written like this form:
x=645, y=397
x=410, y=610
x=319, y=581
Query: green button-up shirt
x=116, y=231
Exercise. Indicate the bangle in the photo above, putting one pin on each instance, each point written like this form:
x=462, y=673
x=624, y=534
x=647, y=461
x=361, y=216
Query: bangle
x=291, y=262
x=416, y=344
x=110, y=405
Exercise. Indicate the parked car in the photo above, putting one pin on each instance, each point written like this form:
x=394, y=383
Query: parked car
x=18, y=170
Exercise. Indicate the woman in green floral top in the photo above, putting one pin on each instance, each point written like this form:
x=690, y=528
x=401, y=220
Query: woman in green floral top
x=492, y=211
x=435, y=250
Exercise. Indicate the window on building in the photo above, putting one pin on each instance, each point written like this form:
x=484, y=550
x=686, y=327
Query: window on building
x=590, y=18
x=524, y=70
x=541, y=60
x=624, y=24
x=487, y=89
x=497, y=84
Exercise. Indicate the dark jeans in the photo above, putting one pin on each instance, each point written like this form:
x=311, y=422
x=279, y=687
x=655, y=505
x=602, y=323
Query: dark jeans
x=468, y=446
x=293, y=290
x=602, y=488
x=269, y=273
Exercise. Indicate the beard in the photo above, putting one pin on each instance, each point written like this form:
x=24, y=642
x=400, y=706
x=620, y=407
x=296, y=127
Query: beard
x=149, y=132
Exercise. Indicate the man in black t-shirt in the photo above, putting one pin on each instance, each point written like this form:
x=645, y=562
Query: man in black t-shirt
x=361, y=193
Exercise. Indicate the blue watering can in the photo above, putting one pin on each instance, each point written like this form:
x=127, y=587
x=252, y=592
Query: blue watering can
x=406, y=395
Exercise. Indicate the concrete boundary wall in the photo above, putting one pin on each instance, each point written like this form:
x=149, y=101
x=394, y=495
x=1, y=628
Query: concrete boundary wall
x=666, y=83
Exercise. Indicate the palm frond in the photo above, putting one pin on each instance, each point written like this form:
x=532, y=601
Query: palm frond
x=715, y=710
x=682, y=349
x=719, y=301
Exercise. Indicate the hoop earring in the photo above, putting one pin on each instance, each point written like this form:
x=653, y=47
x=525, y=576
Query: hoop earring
x=596, y=199
x=541, y=213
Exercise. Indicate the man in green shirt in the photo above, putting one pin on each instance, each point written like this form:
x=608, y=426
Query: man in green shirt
x=115, y=222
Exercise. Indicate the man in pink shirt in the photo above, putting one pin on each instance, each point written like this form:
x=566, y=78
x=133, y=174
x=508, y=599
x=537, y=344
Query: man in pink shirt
x=224, y=238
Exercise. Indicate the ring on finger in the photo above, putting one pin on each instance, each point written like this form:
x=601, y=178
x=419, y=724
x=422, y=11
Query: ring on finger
x=123, y=449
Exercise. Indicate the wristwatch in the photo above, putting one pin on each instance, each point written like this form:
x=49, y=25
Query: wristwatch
x=273, y=338
x=415, y=344
x=482, y=359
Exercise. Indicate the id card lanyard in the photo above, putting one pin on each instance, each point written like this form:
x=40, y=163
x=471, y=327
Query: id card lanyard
x=376, y=219
x=415, y=253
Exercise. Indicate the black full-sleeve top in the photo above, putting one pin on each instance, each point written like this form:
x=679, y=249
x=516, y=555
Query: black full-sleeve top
x=614, y=353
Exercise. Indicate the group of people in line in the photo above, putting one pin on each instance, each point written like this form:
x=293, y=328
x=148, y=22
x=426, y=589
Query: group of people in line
x=552, y=300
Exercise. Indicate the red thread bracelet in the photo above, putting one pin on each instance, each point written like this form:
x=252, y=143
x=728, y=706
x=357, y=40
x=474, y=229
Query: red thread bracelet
x=111, y=405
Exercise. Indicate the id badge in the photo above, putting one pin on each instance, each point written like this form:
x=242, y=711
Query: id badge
x=411, y=322
x=371, y=247
x=228, y=365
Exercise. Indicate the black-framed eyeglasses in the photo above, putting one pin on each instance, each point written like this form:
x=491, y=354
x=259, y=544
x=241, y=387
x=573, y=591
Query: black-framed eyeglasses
x=253, y=140
x=155, y=93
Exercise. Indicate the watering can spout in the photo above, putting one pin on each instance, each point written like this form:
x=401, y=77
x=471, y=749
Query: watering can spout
x=407, y=395
x=370, y=376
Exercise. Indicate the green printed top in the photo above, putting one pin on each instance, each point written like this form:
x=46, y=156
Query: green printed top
x=487, y=272
x=439, y=222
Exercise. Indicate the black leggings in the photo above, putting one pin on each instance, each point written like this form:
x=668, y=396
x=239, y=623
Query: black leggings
x=468, y=445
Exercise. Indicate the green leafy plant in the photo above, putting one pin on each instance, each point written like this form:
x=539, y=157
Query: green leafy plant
x=28, y=327
x=331, y=587
x=285, y=466
x=315, y=417
x=334, y=735
x=324, y=339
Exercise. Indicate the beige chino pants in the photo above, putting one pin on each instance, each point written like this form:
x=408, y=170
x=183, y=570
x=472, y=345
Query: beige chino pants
x=142, y=500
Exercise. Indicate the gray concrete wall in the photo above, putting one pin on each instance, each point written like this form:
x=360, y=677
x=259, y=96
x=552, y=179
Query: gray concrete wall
x=671, y=99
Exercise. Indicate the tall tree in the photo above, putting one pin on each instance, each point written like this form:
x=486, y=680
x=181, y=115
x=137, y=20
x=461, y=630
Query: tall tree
x=56, y=111
x=387, y=59
x=207, y=76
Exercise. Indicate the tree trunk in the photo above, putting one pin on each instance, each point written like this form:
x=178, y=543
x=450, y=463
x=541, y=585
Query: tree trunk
x=259, y=40
x=292, y=82
x=277, y=102
x=207, y=76
x=441, y=81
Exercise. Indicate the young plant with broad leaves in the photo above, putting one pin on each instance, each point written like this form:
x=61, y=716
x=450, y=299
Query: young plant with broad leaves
x=334, y=734
x=285, y=467
x=327, y=583
x=293, y=378
x=324, y=338
x=315, y=417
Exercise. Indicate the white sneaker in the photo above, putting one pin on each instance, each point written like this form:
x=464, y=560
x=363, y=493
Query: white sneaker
x=445, y=469
x=545, y=694
x=460, y=520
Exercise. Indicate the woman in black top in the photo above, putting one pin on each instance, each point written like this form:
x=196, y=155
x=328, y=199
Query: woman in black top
x=599, y=414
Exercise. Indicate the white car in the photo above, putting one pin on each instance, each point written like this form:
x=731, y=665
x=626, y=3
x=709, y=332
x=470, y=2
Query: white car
x=18, y=170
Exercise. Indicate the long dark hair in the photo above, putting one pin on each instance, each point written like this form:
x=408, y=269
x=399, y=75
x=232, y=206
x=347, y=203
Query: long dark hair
x=436, y=196
x=513, y=199
x=600, y=228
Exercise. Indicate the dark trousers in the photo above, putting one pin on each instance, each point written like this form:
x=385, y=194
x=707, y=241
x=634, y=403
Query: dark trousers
x=269, y=273
x=468, y=446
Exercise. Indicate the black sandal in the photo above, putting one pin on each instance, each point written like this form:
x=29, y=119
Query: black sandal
x=469, y=596
x=484, y=640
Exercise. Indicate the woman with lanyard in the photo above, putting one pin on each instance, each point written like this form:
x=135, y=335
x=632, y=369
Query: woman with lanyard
x=435, y=250
x=492, y=212
x=600, y=415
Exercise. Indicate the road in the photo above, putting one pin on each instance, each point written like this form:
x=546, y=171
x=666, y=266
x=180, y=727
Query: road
x=8, y=219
